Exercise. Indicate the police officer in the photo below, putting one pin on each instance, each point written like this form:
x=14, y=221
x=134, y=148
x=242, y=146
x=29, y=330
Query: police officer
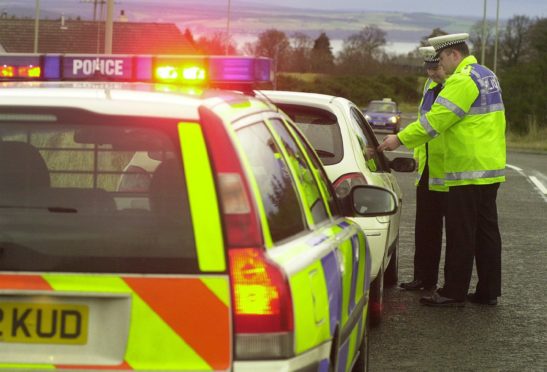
x=430, y=191
x=469, y=112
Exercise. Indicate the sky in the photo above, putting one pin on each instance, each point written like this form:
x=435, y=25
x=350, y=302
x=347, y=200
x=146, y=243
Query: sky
x=473, y=8
x=508, y=8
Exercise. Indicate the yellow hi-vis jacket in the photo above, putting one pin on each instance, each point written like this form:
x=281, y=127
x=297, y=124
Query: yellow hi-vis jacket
x=434, y=156
x=469, y=112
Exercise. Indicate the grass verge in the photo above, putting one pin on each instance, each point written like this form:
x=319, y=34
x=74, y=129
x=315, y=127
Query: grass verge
x=534, y=140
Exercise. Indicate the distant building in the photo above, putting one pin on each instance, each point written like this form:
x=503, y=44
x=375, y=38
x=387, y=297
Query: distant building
x=87, y=37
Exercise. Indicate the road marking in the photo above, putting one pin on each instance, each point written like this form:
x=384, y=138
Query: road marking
x=514, y=167
x=533, y=179
x=538, y=184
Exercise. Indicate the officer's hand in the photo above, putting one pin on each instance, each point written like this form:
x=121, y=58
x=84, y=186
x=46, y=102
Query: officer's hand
x=391, y=142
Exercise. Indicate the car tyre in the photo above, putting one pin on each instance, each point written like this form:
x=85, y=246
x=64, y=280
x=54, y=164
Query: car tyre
x=376, y=302
x=361, y=364
x=391, y=275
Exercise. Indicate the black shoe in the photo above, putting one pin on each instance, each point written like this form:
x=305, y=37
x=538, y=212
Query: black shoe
x=416, y=285
x=438, y=300
x=474, y=298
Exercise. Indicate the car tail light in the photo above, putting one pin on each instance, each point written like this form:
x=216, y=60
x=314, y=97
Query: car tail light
x=262, y=298
x=343, y=184
x=263, y=315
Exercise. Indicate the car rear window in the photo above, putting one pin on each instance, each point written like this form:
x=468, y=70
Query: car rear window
x=66, y=198
x=320, y=128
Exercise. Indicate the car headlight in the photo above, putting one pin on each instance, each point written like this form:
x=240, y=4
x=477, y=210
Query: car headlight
x=367, y=117
x=393, y=120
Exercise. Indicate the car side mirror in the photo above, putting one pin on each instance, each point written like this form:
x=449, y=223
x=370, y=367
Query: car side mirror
x=403, y=164
x=369, y=201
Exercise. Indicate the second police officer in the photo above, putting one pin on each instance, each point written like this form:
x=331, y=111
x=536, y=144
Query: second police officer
x=430, y=190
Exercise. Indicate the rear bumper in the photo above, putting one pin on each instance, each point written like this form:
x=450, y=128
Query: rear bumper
x=308, y=361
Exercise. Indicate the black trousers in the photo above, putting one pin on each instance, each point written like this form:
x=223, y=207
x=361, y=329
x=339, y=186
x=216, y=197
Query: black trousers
x=428, y=233
x=472, y=232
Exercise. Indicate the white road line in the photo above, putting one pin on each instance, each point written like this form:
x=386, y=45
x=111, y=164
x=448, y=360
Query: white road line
x=538, y=184
x=514, y=168
x=533, y=179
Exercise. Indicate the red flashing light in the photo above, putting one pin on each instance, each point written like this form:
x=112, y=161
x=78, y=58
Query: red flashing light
x=7, y=71
x=30, y=71
x=215, y=71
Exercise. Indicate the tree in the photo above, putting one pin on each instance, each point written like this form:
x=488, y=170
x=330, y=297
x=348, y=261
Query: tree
x=216, y=44
x=476, y=38
x=274, y=44
x=360, y=50
x=322, y=59
x=524, y=83
x=434, y=33
x=189, y=36
x=513, y=46
x=301, y=48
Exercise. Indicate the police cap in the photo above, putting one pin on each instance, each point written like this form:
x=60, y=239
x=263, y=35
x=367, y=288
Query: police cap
x=445, y=41
x=431, y=59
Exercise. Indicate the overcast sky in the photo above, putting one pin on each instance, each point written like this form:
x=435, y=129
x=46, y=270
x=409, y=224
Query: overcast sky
x=508, y=8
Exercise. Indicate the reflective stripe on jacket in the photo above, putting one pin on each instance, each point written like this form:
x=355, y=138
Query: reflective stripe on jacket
x=435, y=151
x=469, y=112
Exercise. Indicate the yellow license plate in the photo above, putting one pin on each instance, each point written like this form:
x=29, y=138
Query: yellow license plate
x=42, y=323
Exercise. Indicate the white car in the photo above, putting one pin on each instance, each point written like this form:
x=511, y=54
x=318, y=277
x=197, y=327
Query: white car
x=347, y=146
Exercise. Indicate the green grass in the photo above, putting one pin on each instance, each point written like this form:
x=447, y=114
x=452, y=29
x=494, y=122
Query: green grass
x=534, y=140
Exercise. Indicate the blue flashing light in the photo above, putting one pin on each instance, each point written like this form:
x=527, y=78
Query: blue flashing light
x=52, y=67
x=186, y=70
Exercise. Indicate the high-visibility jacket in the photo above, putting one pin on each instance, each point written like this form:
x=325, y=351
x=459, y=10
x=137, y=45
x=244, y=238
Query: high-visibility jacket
x=434, y=155
x=469, y=112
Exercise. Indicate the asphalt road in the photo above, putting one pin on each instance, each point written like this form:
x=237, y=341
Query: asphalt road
x=509, y=337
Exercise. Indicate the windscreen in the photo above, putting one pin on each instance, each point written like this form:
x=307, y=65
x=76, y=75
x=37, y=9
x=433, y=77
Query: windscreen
x=81, y=192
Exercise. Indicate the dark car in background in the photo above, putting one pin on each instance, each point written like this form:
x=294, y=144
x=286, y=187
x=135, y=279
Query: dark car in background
x=383, y=115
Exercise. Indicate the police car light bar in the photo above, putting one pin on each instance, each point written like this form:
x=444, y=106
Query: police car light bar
x=200, y=70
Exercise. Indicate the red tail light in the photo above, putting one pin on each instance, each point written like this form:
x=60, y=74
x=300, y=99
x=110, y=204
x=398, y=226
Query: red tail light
x=343, y=184
x=262, y=298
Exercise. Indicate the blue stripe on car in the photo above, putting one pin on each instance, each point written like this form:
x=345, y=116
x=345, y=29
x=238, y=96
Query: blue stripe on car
x=331, y=270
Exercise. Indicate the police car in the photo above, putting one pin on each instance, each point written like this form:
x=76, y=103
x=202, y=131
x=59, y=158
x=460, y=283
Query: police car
x=347, y=148
x=237, y=254
x=383, y=115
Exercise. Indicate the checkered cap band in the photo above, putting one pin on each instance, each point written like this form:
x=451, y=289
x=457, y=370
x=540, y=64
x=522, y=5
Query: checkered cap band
x=447, y=44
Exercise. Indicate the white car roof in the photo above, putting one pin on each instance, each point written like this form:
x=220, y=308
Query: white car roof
x=300, y=97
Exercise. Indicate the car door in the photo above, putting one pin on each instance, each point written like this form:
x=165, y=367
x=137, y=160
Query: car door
x=377, y=163
x=325, y=258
